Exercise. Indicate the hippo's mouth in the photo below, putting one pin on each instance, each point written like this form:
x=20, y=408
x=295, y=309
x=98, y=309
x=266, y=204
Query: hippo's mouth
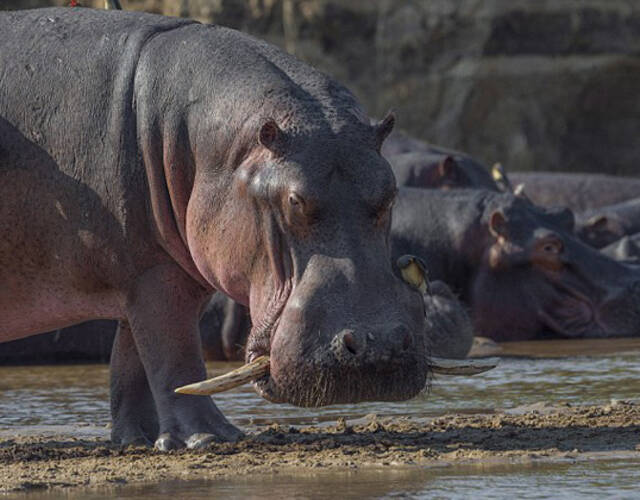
x=571, y=314
x=321, y=380
x=259, y=345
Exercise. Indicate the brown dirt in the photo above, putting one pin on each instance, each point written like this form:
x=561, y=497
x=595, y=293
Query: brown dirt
x=537, y=432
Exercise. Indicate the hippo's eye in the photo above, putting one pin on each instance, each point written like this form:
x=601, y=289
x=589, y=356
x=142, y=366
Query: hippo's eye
x=383, y=211
x=299, y=211
x=554, y=247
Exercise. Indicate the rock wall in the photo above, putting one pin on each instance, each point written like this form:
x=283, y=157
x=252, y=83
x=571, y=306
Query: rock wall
x=536, y=85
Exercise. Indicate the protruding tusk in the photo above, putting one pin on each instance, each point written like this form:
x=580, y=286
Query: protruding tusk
x=240, y=376
x=462, y=366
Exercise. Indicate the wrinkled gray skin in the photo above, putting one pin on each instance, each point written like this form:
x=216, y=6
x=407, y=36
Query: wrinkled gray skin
x=147, y=161
x=625, y=249
x=579, y=192
x=603, y=226
x=519, y=267
x=418, y=164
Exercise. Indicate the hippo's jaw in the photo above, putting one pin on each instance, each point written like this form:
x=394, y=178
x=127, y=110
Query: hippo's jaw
x=329, y=375
x=321, y=384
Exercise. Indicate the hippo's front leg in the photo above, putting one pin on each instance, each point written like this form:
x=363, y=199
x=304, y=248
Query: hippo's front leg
x=163, y=310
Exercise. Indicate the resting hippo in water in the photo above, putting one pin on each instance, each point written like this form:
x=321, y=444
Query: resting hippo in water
x=603, y=226
x=92, y=340
x=579, y=192
x=146, y=162
x=416, y=163
x=518, y=266
x=626, y=249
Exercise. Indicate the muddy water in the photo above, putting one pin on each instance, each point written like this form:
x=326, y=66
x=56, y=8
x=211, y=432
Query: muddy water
x=562, y=480
x=575, y=372
x=553, y=372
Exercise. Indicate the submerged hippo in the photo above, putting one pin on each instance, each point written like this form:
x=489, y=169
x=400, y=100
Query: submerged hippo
x=579, y=192
x=603, y=226
x=146, y=162
x=519, y=267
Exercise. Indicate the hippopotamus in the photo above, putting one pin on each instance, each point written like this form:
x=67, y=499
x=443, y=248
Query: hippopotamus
x=519, y=267
x=224, y=328
x=579, y=192
x=449, y=323
x=416, y=163
x=626, y=249
x=90, y=341
x=148, y=161
x=603, y=226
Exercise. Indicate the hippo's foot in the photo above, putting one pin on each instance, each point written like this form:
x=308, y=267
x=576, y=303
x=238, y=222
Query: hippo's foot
x=130, y=435
x=173, y=440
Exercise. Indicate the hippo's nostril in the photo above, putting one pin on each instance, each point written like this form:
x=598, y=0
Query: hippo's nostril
x=350, y=342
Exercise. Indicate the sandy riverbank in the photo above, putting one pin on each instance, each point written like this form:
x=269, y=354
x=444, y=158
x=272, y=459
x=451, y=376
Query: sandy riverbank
x=51, y=459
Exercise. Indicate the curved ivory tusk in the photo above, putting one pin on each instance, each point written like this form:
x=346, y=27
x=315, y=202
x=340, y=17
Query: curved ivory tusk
x=240, y=376
x=260, y=367
x=462, y=366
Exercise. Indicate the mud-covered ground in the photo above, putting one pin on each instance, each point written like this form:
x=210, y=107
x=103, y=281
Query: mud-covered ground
x=535, y=433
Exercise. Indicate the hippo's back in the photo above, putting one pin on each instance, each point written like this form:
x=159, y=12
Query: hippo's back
x=579, y=192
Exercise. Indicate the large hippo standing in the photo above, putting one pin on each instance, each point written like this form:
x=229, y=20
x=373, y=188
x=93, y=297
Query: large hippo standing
x=147, y=161
x=519, y=267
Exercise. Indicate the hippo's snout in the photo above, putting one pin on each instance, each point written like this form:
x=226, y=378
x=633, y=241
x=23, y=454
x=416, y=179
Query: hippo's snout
x=337, y=343
x=383, y=344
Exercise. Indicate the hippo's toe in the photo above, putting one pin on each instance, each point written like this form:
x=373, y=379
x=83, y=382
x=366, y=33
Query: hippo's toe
x=201, y=440
x=167, y=442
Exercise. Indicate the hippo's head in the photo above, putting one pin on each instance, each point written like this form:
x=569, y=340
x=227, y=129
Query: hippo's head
x=438, y=169
x=537, y=277
x=301, y=235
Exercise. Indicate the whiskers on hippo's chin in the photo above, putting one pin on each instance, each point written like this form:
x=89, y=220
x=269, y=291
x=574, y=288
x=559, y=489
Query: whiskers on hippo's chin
x=328, y=387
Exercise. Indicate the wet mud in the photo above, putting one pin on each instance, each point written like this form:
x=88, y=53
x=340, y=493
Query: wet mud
x=58, y=457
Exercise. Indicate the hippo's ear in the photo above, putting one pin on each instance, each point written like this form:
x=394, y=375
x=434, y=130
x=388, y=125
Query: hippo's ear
x=271, y=136
x=448, y=169
x=384, y=128
x=605, y=224
x=498, y=225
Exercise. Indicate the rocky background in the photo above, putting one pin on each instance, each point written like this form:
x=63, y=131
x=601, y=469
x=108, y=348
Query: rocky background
x=534, y=84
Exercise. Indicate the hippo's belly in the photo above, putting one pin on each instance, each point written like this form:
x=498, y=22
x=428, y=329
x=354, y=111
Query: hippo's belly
x=52, y=257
